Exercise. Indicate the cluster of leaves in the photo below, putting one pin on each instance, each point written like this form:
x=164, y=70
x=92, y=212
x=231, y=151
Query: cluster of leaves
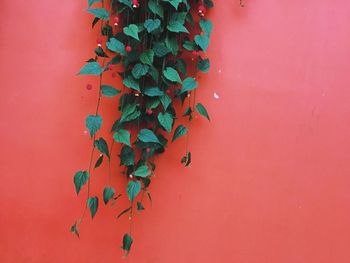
x=151, y=40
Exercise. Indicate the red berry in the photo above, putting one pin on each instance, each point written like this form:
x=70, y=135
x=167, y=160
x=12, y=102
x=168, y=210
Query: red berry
x=88, y=86
x=116, y=20
x=149, y=111
x=99, y=41
x=110, y=67
x=128, y=48
x=135, y=3
x=202, y=10
x=168, y=91
x=148, y=150
x=195, y=53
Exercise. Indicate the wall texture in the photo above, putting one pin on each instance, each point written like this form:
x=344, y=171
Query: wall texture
x=270, y=177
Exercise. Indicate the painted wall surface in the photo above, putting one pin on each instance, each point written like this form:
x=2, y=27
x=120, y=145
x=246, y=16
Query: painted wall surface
x=270, y=178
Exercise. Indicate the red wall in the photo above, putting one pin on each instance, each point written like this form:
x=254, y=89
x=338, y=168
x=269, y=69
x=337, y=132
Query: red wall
x=270, y=177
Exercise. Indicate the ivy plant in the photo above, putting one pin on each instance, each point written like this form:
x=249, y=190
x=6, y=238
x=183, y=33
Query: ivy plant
x=158, y=43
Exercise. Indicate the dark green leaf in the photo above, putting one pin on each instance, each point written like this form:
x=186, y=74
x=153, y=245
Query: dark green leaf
x=122, y=136
x=132, y=31
x=146, y=135
x=189, y=84
x=80, y=178
x=203, y=65
x=139, y=70
x=156, y=8
x=127, y=156
x=202, y=41
x=177, y=27
x=140, y=206
x=172, y=75
x=174, y=3
x=102, y=146
x=91, y=68
x=147, y=57
x=99, y=161
x=165, y=100
x=160, y=50
x=166, y=120
x=127, y=242
x=116, y=46
x=108, y=194
x=181, y=66
x=201, y=109
x=189, y=45
x=133, y=189
x=206, y=26
x=171, y=43
x=99, y=12
x=92, y=203
x=142, y=171
x=100, y=52
x=93, y=123
x=151, y=25
x=74, y=229
x=109, y=91
x=131, y=83
x=153, y=91
x=180, y=131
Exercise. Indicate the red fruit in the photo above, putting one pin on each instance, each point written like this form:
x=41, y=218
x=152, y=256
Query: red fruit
x=128, y=48
x=88, y=86
x=195, y=53
x=202, y=10
x=135, y=3
x=149, y=111
x=116, y=20
x=168, y=91
x=148, y=150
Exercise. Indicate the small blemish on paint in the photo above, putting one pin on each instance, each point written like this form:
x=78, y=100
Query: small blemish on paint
x=216, y=96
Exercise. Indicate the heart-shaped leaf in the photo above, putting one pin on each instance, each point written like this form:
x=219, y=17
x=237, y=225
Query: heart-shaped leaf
x=132, y=31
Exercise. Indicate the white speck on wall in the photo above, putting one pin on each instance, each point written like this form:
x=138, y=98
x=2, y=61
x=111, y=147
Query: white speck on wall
x=219, y=70
x=85, y=132
x=216, y=96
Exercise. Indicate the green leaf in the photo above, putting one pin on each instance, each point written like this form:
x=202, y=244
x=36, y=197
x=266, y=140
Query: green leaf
x=209, y=3
x=165, y=100
x=181, y=66
x=202, y=41
x=139, y=70
x=203, y=65
x=189, y=84
x=201, y=109
x=171, y=43
x=116, y=46
x=130, y=112
x=92, y=203
x=93, y=123
x=186, y=159
x=122, y=136
x=91, y=2
x=127, y=156
x=179, y=131
x=80, y=178
x=99, y=161
x=151, y=25
x=177, y=27
x=142, y=171
x=99, y=12
x=140, y=206
x=174, y=3
x=74, y=229
x=172, y=75
x=147, y=57
x=109, y=91
x=131, y=83
x=153, y=91
x=91, y=68
x=156, y=8
x=189, y=45
x=133, y=189
x=127, y=242
x=146, y=135
x=108, y=194
x=132, y=31
x=126, y=2
x=100, y=52
x=152, y=103
x=166, y=120
x=206, y=26
x=160, y=50
x=102, y=146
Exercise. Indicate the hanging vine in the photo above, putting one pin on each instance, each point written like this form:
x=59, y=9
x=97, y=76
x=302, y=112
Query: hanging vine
x=153, y=40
